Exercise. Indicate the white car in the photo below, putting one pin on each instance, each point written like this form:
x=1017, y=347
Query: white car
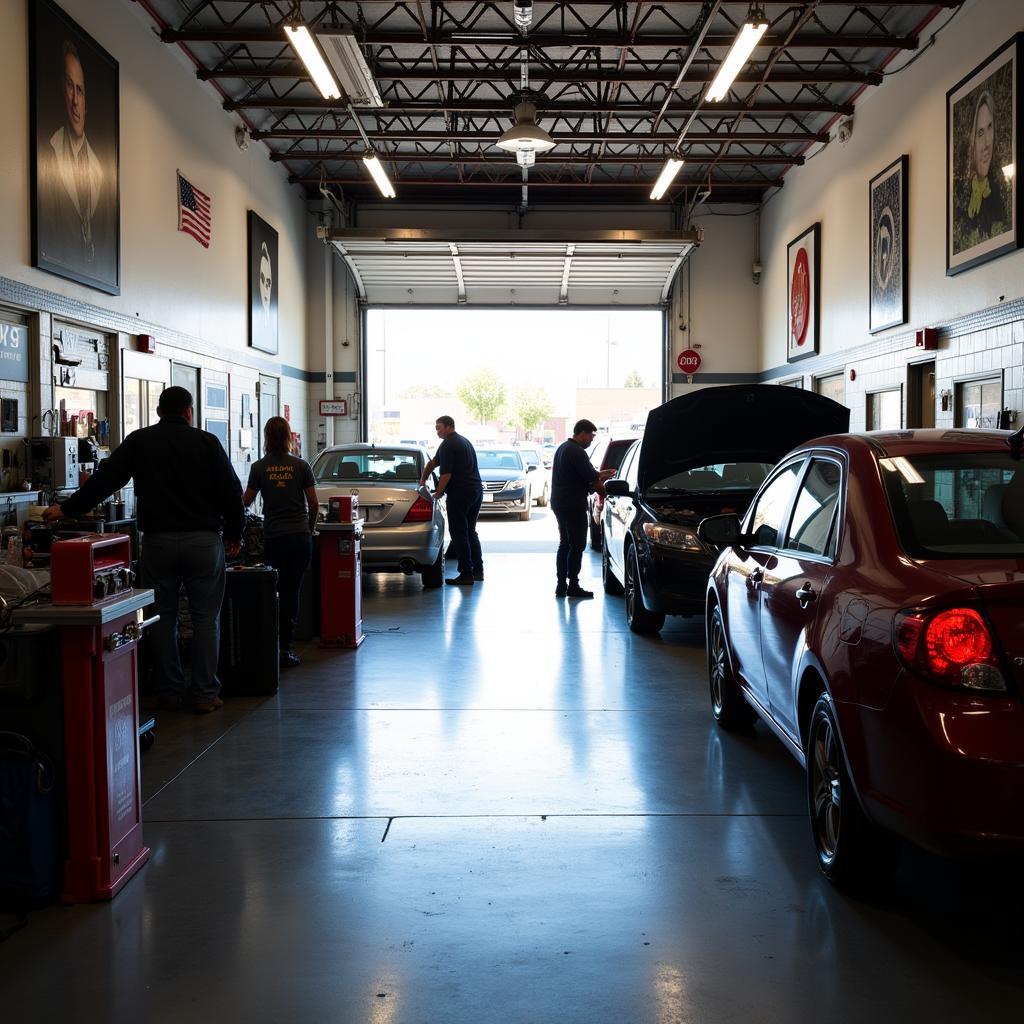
x=540, y=475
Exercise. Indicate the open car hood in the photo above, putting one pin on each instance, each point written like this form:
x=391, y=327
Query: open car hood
x=740, y=423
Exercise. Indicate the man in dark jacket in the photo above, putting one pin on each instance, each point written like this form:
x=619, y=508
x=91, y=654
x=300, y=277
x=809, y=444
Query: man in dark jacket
x=573, y=477
x=186, y=495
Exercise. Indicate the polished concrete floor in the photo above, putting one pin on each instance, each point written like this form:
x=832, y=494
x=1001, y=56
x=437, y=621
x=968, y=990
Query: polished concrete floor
x=507, y=808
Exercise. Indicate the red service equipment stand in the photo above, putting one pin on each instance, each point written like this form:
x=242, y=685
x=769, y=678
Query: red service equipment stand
x=101, y=743
x=341, y=623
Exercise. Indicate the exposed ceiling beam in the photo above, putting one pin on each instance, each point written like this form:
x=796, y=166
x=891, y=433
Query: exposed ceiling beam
x=584, y=159
x=516, y=182
x=581, y=138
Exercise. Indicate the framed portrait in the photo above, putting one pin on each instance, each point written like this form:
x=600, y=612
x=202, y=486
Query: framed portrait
x=262, y=285
x=73, y=142
x=888, y=252
x=983, y=149
x=802, y=294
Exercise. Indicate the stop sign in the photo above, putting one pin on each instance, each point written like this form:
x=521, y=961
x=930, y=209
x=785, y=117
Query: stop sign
x=689, y=361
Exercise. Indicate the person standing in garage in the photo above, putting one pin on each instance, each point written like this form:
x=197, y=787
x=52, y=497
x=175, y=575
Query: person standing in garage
x=188, y=500
x=460, y=480
x=290, y=509
x=573, y=477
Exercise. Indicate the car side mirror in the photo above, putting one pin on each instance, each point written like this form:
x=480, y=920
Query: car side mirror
x=530, y=469
x=722, y=531
x=617, y=488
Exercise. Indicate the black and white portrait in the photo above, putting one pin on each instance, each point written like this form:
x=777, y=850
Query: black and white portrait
x=887, y=292
x=262, y=285
x=983, y=150
x=73, y=93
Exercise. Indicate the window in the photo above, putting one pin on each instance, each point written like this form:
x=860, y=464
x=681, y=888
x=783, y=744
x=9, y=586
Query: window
x=962, y=504
x=812, y=526
x=766, y=518
x=978, y=403
x=378, y=464
x=509, y=458
x=796, y=382
x=885, y=410
x=833, y=386
x=722, y=476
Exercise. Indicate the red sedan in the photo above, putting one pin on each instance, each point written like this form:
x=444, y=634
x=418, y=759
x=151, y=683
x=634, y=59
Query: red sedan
x=870, y=609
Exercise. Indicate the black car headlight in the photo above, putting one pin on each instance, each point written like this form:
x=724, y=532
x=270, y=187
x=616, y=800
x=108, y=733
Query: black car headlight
x=679, y=538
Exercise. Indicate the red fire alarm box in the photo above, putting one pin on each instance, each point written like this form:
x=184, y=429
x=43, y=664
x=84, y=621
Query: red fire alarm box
x=145, y=343
x=927, y=337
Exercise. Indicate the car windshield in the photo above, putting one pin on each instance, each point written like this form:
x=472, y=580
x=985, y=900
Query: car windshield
x=964, y=504
x=530, y=457
x=377, y=464
x=720, y=476
x=491, y=459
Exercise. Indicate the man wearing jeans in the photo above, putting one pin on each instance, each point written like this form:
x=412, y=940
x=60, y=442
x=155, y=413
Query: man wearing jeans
x=460, y=480
x=188, y=502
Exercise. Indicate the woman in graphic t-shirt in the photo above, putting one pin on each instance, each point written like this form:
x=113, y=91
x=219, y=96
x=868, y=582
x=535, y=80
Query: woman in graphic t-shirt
x=290, y=508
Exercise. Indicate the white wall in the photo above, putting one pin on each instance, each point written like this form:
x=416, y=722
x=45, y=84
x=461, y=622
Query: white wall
x=907, y=114
x=169, y=121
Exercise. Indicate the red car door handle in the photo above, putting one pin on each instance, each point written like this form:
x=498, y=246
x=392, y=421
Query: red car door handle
x=806, y=595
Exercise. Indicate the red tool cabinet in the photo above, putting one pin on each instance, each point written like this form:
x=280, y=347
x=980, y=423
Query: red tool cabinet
x=341, y=623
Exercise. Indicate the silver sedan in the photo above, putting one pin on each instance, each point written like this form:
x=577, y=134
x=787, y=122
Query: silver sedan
x=403, y=526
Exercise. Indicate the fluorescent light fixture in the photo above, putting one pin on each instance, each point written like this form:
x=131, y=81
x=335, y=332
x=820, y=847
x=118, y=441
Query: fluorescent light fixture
x=739, y=53
x=667, y=176
x=305, y=46
x=1008, y=172
x=373, y=165
x=345, y=56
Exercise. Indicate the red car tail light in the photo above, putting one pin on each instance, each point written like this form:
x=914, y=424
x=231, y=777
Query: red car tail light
x=420, y=511
x=953, y=646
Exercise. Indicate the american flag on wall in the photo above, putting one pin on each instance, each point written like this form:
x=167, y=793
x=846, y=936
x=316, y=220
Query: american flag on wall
x=194, y=217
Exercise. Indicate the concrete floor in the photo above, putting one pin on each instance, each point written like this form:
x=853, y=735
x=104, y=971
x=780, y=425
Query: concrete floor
x=502, y=808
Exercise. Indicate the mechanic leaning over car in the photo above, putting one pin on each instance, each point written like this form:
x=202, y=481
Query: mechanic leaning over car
x=189, y=506
x=573, y=477
x=460, y=480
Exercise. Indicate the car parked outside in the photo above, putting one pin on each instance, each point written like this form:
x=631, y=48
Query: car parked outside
x=540, y=475
x=506, y=482
x=605, y=453
x=403, y=526
x=868, y=608
x=702, y=454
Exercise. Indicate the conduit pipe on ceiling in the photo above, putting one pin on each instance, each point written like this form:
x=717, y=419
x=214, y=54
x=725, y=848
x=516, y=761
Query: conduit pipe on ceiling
x=328, y=333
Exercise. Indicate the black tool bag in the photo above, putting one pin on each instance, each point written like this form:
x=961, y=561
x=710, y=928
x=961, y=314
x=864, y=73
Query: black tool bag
x=30, y=825
x=248, y=663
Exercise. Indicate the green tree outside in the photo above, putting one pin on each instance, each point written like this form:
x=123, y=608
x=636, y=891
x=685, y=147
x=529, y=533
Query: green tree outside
x=531, y=407
x=483, y=394
x=634, y=380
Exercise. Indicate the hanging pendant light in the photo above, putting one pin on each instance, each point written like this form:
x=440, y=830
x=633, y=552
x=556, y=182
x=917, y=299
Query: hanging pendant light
x=525, y=135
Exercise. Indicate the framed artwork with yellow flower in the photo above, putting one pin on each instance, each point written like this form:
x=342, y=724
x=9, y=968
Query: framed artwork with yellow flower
x=983, y=160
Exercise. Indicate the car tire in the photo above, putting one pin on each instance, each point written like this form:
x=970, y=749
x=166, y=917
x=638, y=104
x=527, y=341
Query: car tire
x=433, y=575
x=731, y=711
x=638, y=618
x=524, y=516
x=595, y=536
x=852, y=853
x=611, y=584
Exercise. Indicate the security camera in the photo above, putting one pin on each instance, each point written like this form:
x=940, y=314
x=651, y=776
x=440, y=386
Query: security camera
x=756, y=271
x=242, y=137
x=844, y=130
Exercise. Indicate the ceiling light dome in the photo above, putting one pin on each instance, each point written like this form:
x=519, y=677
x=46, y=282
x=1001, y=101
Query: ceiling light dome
x=524, y=136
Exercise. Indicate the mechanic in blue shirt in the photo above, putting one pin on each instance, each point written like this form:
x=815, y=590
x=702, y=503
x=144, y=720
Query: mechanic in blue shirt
x=573, y=477
x=460, y=480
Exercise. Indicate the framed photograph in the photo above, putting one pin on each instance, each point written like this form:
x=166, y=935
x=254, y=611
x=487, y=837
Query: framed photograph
x=802, y=294
x=73, y=142
x=983, y=147
x=220, y=429
x=888, y=252
x=216, y=396
x=262, y=285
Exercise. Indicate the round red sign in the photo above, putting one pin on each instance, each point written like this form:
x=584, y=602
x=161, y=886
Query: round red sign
x=688, y=361
x=800, y=300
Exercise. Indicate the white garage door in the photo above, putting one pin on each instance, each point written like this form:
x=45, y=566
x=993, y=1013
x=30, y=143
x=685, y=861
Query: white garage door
x=536, y=268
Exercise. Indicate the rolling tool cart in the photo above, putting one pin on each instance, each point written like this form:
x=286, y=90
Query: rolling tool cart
x=340, y=558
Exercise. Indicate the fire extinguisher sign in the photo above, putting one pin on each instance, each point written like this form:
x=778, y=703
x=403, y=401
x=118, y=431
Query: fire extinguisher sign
x=688, y=361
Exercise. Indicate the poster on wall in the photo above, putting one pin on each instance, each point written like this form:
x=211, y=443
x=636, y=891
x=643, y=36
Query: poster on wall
x=73, y=126
x=888, y=259
x=983, y=150
x=802, y=294
x=262, y=285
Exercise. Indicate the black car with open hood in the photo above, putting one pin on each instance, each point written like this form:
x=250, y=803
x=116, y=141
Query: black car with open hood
x=702, y=454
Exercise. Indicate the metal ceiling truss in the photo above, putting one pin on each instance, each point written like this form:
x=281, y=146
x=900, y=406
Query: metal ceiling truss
x=618, y=85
